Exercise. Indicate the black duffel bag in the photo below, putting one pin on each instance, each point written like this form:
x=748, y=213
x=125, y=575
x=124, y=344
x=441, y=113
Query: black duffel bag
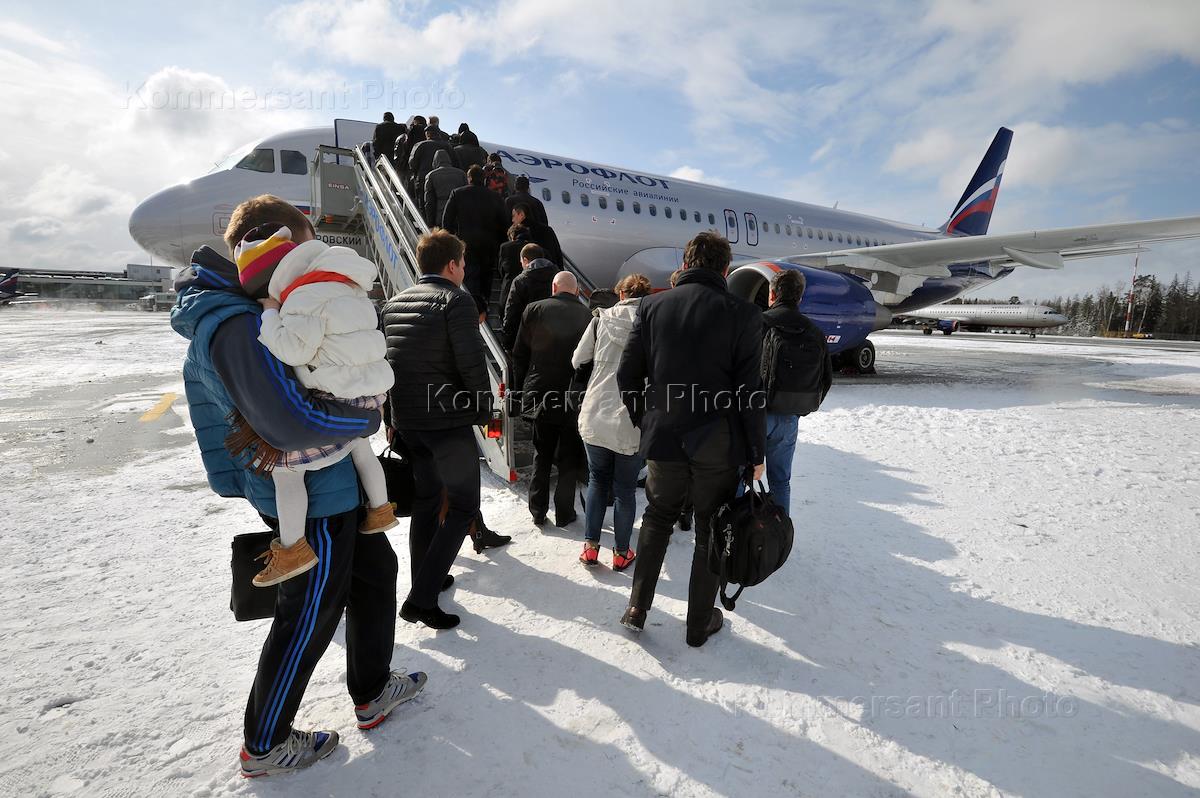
x=397, y=470
x=250, y=603
x=751, y=539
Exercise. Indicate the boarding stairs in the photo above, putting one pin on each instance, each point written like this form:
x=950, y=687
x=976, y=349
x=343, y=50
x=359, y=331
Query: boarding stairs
x=353, y=193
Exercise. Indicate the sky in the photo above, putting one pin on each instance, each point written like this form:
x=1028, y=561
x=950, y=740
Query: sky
x=881, y=107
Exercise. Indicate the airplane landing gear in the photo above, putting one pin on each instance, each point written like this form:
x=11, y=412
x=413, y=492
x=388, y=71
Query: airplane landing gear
x=927, y=331
x=864, y=358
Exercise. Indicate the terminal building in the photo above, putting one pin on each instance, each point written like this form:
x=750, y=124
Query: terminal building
x=137, y=281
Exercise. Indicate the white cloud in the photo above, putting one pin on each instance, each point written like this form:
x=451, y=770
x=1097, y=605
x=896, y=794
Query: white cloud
x=696, y=175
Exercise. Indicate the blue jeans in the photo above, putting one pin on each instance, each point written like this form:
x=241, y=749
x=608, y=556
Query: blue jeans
x=609, y=472
x=781, y=448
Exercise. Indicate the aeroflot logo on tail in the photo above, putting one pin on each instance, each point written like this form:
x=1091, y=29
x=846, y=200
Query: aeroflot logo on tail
x=584, y=169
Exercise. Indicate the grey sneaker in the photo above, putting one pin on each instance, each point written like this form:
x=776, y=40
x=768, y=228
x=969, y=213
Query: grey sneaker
x=400, y=687
x=298, y=751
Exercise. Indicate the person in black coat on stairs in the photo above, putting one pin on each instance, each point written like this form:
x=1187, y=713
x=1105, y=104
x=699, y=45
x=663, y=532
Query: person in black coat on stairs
x=550, y=330
x=476, y=215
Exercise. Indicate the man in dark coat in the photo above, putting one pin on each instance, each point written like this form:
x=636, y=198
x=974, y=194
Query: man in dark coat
x=531, y=285
x=420, y=160
x=542, y=234
x=435, y=125
x=689, y=377
x=383, y=143
x=476, y=215
x=405, y=144
x=534, y=208
x=441, y=392
x=439, y=184
x=468, y=153
x=508, y=263
x=550, y=330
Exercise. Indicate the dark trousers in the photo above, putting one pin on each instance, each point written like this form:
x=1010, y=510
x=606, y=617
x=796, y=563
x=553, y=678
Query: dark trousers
x=443, y=460
x=556, y=444
x=356, y=573
x=708, y=478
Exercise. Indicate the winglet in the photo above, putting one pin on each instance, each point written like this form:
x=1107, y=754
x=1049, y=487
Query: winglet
x=974, y=210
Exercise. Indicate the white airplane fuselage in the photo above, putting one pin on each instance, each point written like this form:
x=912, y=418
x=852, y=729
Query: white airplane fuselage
x=1022, y=316
x=610, y=221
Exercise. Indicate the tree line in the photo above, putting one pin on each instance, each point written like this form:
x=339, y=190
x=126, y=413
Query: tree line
x=1170, y=310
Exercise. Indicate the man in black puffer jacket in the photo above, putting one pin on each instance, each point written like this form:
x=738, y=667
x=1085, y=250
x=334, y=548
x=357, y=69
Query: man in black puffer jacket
x=441, y=391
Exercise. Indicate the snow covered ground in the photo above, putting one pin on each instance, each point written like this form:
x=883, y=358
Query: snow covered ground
x=993, y=592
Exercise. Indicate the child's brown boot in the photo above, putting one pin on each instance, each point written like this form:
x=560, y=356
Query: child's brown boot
x=284, y=562
x=379, y=519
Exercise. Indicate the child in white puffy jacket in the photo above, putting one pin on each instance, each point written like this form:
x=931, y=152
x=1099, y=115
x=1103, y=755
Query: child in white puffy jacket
x=319, y=320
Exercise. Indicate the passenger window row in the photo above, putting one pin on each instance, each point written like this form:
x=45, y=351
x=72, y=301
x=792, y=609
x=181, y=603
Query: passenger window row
x=766, y=227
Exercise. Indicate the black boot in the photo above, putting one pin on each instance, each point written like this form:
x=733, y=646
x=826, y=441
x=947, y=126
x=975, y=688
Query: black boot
x=685, y=519
x=433, y=617
x=484, y=538
x=697, y=637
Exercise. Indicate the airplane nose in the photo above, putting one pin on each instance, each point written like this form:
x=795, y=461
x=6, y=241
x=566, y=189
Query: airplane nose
x=155, y=225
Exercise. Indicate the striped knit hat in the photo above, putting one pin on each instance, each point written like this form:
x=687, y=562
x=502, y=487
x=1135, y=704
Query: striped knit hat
x=257, y=255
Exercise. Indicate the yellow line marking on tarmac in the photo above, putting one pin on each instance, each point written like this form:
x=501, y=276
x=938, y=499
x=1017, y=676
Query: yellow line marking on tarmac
x=164, y=404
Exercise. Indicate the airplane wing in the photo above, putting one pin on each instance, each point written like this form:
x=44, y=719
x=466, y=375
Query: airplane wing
x=896, y=270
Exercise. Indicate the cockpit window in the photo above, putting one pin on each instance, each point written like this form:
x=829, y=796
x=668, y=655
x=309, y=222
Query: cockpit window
x=260, y=160
x=293, y=162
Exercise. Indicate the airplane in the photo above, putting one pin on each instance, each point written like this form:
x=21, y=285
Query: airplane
x=859, y=269
x=978, y=318
x=8, y=286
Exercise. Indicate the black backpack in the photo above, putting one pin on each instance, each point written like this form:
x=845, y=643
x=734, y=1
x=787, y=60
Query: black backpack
x=751, y=539
x=793, y=362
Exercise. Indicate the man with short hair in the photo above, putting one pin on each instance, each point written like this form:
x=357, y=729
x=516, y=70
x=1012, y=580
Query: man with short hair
x=476, y=215
x=420, y=160
x=531, y=285
x=227, y=370
x=797, y=373
x=541, y=233
x=436, y=127
x=383, y=142
x=689, y=377
x=535, y=209
x=441, y=392
x=542, y=371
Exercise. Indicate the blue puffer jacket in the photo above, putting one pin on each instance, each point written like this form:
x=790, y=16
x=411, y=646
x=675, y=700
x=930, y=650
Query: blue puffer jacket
x=226, y=367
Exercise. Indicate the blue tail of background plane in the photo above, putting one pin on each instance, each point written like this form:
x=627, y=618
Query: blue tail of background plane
x=974, y=210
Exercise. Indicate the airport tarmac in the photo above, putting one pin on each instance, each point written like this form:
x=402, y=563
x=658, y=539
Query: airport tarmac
x=993, y=591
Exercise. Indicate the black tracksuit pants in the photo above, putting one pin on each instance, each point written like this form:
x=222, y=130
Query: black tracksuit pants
x=356, y=573
x=556, y=444
x=708, y=479
x=442, y=459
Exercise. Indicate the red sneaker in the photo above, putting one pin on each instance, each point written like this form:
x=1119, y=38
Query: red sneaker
x=623, y=561
x=591, y=554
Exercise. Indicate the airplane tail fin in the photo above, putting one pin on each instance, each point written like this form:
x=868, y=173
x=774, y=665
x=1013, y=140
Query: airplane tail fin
x=974, y=210
x=8, y=284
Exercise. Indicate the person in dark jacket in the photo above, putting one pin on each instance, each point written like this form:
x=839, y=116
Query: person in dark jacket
x=534, y=208
x=550, y=330
x=420, y=160
x=476, y=215
x=495, y=176
x=456, y=137
x=435, y=125
x=468, y=153
x=508, y=262
x=441, y=391
x=439, y=183
x=404, y=145
x=531, y=285
x=227, y=369
x=383, y=143
x=540, y=233
x=782, y=423
x=689, y=377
